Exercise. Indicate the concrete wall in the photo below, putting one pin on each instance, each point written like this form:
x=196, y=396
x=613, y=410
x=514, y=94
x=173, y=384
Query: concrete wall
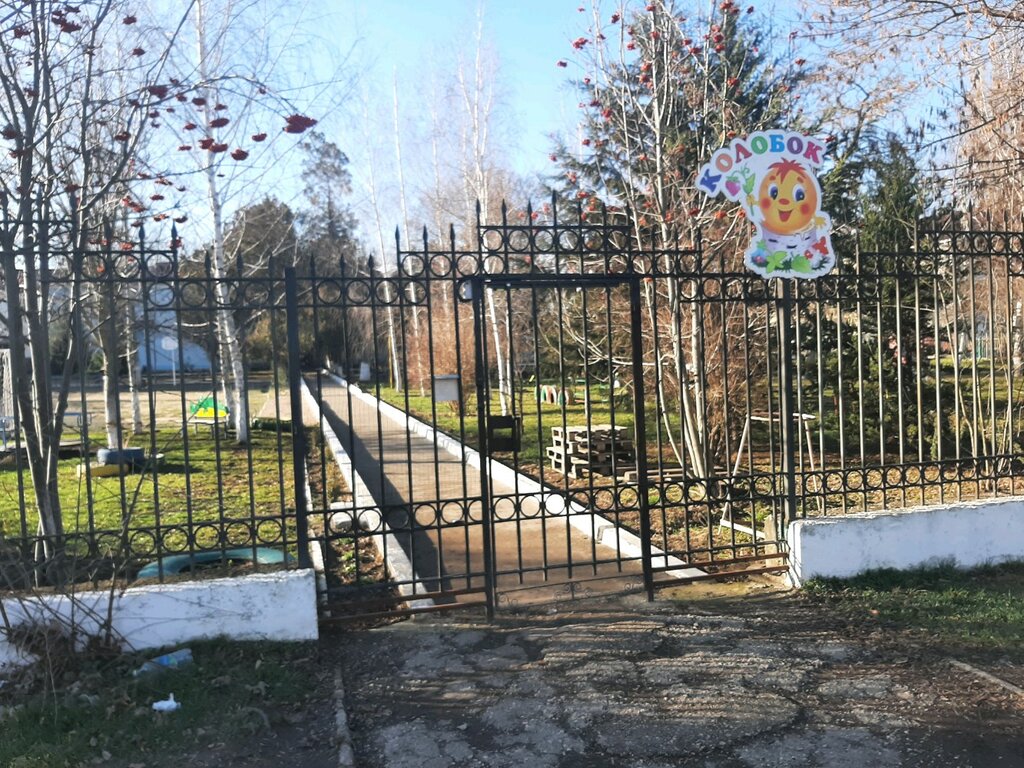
x=262, y=606
x=967, y=534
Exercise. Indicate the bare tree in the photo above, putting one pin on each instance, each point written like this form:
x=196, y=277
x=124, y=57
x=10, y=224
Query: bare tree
x=74, y=96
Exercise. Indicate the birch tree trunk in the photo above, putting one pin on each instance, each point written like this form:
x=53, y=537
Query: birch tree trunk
x=132, y=356
x=417, y=346
x=227, y=329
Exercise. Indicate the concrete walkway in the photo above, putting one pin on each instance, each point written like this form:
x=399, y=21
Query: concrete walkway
x=538, y=557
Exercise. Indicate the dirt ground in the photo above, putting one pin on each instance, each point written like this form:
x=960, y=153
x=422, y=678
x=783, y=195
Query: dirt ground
x=712, y=676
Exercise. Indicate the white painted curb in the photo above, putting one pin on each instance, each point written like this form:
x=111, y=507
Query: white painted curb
x=586, y=521
x=966, y=534
x=277, y=606
x=395, y=559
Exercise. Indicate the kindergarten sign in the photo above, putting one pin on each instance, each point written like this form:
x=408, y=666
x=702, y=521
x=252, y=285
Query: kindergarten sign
x=772, y=175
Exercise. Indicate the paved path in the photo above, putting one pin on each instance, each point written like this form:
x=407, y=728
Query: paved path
x=279, y=407
x=405, y=472
x=766, y=682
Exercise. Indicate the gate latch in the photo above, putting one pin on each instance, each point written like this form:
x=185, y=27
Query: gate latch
x=504, y=433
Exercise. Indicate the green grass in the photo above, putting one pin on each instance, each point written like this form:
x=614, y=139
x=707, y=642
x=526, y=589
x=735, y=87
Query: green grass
x=100, y=713
x=217, y=476
x=980, y=611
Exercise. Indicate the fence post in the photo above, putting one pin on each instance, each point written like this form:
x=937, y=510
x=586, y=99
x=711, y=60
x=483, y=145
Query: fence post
x=291, y=294
x=483, y=413
x=640, y=435
x=790, y=431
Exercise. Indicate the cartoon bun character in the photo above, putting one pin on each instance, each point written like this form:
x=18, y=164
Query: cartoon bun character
x=787, y=214
x=788, y=199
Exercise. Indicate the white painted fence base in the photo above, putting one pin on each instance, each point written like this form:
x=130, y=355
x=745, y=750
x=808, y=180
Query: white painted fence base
x=263, y=606
x=967, y=534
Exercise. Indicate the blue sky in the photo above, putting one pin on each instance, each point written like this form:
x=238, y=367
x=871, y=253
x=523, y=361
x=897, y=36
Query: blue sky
x=528, y=36
x=373, y=43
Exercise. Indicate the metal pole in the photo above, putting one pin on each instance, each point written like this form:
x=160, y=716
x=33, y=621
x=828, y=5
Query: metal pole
x=790, y=433
x=640, y=436
x=483, y=412
x=291, y=290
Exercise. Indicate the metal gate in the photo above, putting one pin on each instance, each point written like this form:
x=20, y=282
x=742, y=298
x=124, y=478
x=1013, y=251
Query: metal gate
x=565, y=461
x=524, y=413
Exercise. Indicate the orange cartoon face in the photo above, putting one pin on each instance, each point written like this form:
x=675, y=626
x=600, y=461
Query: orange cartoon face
x=788, y=198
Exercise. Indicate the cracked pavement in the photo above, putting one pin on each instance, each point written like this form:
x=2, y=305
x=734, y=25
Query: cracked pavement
x=621, y=682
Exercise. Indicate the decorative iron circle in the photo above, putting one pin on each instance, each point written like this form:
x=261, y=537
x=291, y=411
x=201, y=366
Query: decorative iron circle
x=341, y=521
x=194, y=294
x=519, y=241
x=142, y=541
x=238, y=534
x=126, y=266
x=711, y=287
x=756, y=290
x=628, y=498
x=453, y=512
x=529, y=507
x=369, y=520
x=808, y=289
x=764, y=486
x=467, y=265
x=414, y=292
x=440, y=265
x=604, y=499
x=161, y=295
x=673, y=493
x=582, y=498
x=873, y=480
x=495, y=264
x=962, y=243
x=358, y=292
x=412, y=264
x=385, y=293
x=492, y=239
x=175, y=540
x=733, y=288
x=329, y=292
x=110, y=542
x=568, y=241
x=397, y=518
x=474, y=511
x=426, y=515
x=594, y=239
x=503, y=508
x=159, y=265
x=269, y=531
x=543, y=240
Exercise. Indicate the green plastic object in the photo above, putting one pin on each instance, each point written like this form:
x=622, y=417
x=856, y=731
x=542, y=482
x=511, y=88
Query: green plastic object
x=209, y=408
x=181, y=563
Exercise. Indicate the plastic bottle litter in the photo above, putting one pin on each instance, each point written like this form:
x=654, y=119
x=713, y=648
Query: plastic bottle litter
x=179, y=658
x=167, y=705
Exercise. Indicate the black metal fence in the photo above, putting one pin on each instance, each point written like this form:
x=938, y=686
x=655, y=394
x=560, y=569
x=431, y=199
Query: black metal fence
x=588, y=412
x=124, y=417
